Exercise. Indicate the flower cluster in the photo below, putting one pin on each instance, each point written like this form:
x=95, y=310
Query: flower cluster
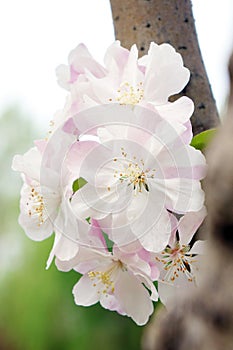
x=117, y=182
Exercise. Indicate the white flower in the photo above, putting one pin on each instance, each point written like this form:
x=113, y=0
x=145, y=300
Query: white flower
x=114, y=279
x=136, y=178
x=179, y=262
x=127, y=80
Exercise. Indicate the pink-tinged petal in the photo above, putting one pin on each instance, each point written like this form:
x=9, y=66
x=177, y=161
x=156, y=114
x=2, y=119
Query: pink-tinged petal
x=188, y=133
x=132, y=74
x=182, y=195
x=116, y=55
x=132, y=247
x=174, y=225
x=179, y=111
x=63, y=76
x=137, y=264
x=99, y=202
x=119, y=231
x=133, y=298
x=144, y=254
x=85, y=293
x=183, y=161
x=154, y=275
x=81, y=60
x=150, y=285
x=64, y=248
x=93, y=161
x=87, y=259
x=109, y=302
x=70, y=127
x=111, y=132
x=199, y=247
x=77, y=154
x=156, y=235
x=105, y=89
x=98, y=241
x=80, y=207
x=33, y=230
x=189, y=224
x=29, y=164
x=62, y=265
x=52, y=253
x=116, y=114
x=40, y=145
x=164, y=65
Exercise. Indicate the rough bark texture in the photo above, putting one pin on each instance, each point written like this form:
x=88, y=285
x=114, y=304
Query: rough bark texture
x=204, y=320
x=171, y=21
x=230, y=97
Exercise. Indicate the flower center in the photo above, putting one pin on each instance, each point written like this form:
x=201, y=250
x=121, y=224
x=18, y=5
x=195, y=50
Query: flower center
x=133, y=173
x=177, y=261
x=104, y=280
x=135, y=176
x=35, y=206
x=129, y=95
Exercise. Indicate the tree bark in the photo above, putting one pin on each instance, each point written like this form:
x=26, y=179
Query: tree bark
x=170, y=21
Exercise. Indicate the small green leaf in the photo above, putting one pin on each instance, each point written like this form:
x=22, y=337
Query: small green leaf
x=202, y=140
x=108, y=241
x=79, y=183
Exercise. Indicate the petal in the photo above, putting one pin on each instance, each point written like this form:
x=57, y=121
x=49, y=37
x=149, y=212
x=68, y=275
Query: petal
x=29, y=164
x=182, y=195
x=109, y=302
x=183, y=161
x=174, y=225
x=189, y=224
x=77, y=154
x=133, y=298
x=63, y=248
x=179, y=111
x=81, y=207
x=81, y=60
x=165, y=74
x=98, y=202
x=84, y=292
x=132, y=74
x=63, y=76
x=116, y=55
x=168, y=293
x=150, y=285
x=199, y=247
x=155, y=237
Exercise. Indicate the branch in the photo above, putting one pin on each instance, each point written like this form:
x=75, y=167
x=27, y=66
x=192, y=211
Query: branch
x=171, y=21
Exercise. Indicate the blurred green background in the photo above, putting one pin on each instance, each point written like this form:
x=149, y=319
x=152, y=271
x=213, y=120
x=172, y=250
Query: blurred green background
x=37, y=310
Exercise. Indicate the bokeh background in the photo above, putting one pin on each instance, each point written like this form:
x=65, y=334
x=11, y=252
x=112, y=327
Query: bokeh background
x=37, y=310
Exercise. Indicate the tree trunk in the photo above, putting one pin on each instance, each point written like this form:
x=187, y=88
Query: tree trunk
x=170, y=21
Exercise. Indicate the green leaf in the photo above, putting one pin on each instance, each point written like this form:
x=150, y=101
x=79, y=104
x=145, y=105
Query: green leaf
x=79, y=183
x=202, y=140
x=108, y=241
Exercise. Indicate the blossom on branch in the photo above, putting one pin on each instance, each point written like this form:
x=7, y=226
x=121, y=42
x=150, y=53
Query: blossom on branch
x=117, y=181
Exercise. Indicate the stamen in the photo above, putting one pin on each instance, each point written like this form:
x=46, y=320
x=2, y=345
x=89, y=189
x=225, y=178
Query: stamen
x=129, y=95
x=133, y=173
x=36, y=206
x=177, y=260
x=104, y=280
